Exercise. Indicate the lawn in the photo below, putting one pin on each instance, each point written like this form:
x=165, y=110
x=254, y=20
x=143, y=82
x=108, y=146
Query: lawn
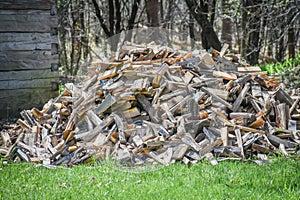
x=227, y=180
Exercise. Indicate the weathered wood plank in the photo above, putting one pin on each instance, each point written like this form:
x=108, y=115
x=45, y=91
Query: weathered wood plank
x=146, y=105
x=220, y=93
x=239, y=141
x=283, y=97
x=37, y=96
x=12, y=102
x=248, y=69
x=217, y=98
x=34, y=83
x=25, y=37
x=28, y=74
x=225, y=75
x=18, y=60
x=224, y=136
x=27, y=22
x=120, y=126
x=28, y=45
x=26, y=4
x=240, y=98
x=180, y=151
x=277, y=141
x=106, y=104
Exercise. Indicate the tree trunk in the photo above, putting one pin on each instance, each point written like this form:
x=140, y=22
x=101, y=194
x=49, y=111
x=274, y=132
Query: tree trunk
x=161, y=10
x=111, y=18
x=280, y=49
x=291, y=42
x=152, y=9
x=244, y=28
x=118, y=16
x=254, y=23
x=101, y=19
x=191, y=30
x=226, y=24
x=169, y=13
x=132, y=19
x=208, y=35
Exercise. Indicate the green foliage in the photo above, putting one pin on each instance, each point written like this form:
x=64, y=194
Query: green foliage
x=228, y=180
x=61, y=88
x=280, y=68
x=288, y=71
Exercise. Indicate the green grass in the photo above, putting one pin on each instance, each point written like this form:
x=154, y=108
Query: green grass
x=228, y=180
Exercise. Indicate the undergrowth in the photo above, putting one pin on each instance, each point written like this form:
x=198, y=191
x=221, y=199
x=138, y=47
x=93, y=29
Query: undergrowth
x=279, y=67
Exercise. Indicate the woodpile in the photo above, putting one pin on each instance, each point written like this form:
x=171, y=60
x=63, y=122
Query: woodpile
x=155, y=104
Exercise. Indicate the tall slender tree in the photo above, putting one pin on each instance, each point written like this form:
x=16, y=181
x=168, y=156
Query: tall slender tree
x=226, y=23
x=200, y=11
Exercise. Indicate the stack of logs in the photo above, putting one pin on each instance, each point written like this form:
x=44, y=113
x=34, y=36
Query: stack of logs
x=155, y=104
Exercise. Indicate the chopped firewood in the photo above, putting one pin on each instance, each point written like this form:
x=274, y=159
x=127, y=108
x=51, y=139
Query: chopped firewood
x=120, y=127
x=188, y=140
x=146, y=105
x=211, y=158
x=137, y=140
x=100, y=140
x=6, y=139
x=93, y=117
x=224, y=136
x=277, y=141
x=258, y=123
x=240, y=98
x=155, y=104
x=248, y=70
x=260, y=148
x=23, y=124
x=282, y=149
x=220, y=93
x=224, y=49
x=239, y=141
x=180, y=151
x=217, y=98
x=225, y=75
x=107, y=102
x=283, y=97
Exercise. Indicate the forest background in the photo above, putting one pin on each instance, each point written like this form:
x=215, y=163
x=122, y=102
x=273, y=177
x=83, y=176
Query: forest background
x=260, y=31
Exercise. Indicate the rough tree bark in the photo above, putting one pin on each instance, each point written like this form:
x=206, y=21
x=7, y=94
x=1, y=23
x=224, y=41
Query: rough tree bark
x=226, y=24
x=291, y=42
x=115, y=20
x=118, y=16
x=208, y=34
x=132, y=18
x=192, y=29
x=152, y=9
x=101, y=19
x=253, y=19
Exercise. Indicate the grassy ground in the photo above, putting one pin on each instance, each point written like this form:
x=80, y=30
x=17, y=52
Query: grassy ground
x=228, y=180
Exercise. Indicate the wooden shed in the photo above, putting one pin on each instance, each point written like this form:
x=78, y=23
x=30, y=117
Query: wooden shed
x=28, y=55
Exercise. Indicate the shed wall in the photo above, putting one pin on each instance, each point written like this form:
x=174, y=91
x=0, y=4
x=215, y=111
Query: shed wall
x=28, y=55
